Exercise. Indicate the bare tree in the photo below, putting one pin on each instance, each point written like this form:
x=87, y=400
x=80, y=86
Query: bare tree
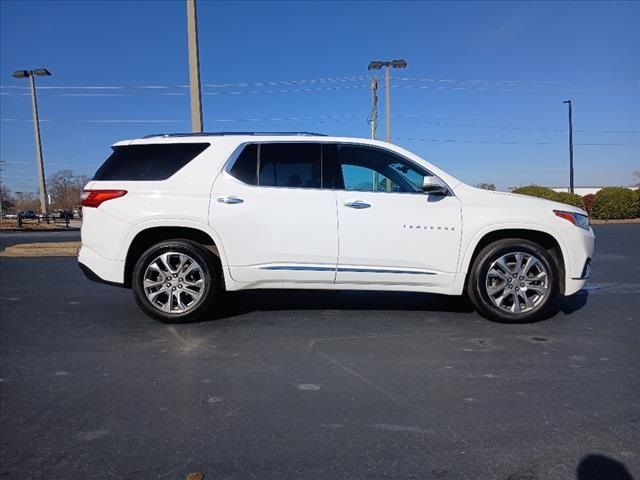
x=636, y=182
x=6, y=198
x=65, y=188
x=27, y=201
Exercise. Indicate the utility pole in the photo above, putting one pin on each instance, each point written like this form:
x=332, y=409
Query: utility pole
x=374, y=124
x=1, y=211
x=374, y=108
x=31, y=74
x=387, y=106
x=570, y=146
x=194, y=68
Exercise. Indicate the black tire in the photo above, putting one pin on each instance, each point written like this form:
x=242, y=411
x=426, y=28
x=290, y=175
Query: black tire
x=209, y=271
x=477, y=288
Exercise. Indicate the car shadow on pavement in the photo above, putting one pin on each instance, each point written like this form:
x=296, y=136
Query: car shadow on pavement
x=237, y=303
x=573, y=303
x=600, y=467
x=241, y=302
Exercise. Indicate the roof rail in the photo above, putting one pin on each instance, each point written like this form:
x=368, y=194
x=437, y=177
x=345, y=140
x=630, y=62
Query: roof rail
x=207, y=134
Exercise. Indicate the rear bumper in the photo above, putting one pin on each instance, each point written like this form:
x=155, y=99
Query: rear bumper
x=93, y=276
x=100, y=269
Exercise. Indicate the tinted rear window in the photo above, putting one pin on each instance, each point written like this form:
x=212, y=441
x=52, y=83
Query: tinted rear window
x=148, y=162
x=290, y=165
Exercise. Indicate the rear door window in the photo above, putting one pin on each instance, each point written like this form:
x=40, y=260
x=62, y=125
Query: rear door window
x=148, y=162
x=245, y=168
x=294, y=165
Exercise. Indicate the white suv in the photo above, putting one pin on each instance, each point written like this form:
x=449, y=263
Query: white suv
x=180, y=218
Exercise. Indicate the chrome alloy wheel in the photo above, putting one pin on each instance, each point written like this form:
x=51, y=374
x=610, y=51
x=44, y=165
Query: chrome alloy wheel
x=517, y=282
x=174, y=282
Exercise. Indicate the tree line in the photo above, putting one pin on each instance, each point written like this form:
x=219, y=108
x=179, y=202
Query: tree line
x=64, y=188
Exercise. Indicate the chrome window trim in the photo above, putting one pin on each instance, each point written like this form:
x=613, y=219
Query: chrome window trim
x=236, y=153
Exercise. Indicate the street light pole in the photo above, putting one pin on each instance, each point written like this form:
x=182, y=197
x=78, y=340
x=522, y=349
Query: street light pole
x=377, y=65
x=44, y=205
x=194, y=68
x=31, y=74
x=570, y=146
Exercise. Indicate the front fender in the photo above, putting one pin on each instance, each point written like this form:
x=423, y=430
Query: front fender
x=469, y=248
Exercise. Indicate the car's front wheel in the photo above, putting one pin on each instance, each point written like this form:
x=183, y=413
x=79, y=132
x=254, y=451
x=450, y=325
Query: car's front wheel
x=514, y=281
x=176, y=281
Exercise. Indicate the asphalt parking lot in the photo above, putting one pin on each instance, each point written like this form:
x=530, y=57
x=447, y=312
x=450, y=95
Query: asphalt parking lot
x=318, y=385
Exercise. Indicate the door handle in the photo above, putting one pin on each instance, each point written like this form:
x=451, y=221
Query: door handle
x=229, y=199
x=357, y=204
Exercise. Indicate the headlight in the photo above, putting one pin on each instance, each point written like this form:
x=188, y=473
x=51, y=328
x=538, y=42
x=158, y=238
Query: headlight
x=577, y=219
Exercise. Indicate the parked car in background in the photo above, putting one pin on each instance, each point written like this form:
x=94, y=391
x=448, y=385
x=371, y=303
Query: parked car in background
x=28, y=215
x=65, y=214
x=181, y=218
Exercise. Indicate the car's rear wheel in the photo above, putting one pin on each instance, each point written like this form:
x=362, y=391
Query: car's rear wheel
x=176, y=281
x=514, y=281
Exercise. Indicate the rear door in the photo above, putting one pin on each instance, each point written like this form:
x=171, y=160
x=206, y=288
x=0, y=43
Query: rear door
x=390, y=232
x=276, y=220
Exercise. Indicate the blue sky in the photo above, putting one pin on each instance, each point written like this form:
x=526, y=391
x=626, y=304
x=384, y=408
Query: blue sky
x=481, y=97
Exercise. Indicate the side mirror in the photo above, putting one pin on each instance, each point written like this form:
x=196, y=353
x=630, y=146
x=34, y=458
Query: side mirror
x=433, y=186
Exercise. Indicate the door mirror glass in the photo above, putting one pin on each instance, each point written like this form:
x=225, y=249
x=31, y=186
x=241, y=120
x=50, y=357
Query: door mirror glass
x=433, y=186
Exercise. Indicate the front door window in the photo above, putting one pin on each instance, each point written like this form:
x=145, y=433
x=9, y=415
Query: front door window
x=366, y=169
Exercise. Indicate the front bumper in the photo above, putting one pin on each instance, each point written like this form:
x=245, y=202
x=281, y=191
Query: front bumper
x=586, y=271
x=580, y=246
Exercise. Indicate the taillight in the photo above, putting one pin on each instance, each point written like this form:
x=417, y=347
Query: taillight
x=94, y=198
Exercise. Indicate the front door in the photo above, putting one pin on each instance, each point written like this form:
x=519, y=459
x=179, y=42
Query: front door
x=390, y=232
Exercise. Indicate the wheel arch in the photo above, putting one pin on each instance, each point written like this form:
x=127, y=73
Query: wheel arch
x=148, y=235
x=541, y=236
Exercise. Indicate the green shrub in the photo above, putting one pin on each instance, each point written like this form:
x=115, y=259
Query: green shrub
x=637, y=192
x=614, y=203
x=537, y=191
x=571, y=199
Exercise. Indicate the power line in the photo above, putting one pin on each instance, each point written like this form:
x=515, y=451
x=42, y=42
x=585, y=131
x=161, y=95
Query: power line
x=266, y=83
x=505, y=127
x=505, y=142
x=240, y=92
x=338, y=117
x=325, y=80
x=219, y=120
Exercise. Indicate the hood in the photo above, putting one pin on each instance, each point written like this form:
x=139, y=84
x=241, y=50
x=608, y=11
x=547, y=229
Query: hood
x=496, y=198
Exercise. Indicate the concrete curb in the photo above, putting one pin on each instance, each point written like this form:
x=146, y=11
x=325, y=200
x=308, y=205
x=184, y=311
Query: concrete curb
x=43, y=230
x=615, y=222
x=49, y=249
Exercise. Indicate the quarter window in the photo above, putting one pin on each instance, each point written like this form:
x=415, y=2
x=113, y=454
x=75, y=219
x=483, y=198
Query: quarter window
x=148, y=161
